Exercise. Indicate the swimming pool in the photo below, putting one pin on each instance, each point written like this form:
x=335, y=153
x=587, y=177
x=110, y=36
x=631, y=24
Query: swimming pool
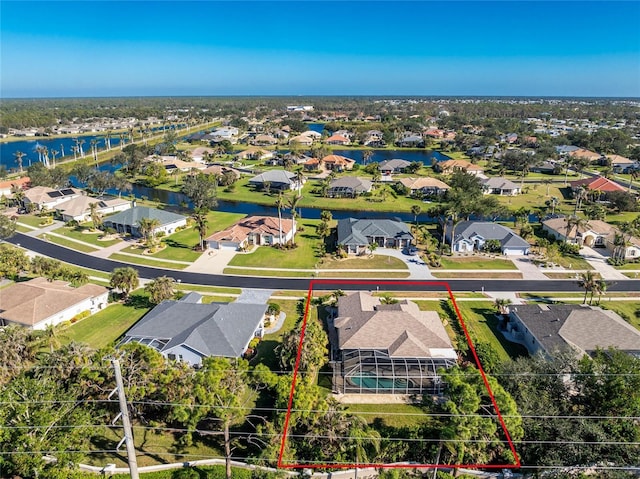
x=370, y=381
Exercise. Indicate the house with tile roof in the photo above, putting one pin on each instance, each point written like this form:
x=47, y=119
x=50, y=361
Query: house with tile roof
x=387, y=348
x=336, y=139
x=583, y=153
x=597, y=183
x=79, y=208
x=448, y=167
x=39, y=303
x=355, y=235
x=17, y=183
x=253, y=230
x=425, y=186
x=348, y=187
x=189, y=331
x=470, y=236
x=128, y=221
x=595, y=234
x=44, y=197
x=550, y=329
x=337, y=163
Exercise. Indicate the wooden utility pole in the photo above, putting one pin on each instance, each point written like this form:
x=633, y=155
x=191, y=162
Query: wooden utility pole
x=126, y=422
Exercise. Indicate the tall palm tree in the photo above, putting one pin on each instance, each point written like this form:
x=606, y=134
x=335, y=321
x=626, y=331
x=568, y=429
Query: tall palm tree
x=600, y=288
x=19, y=155
x=107, y=139
x=299, y=179
x=280, y=205
x=587, y=281
x=501, y=305
x=160, y=289
x=366, y=156
x=54, y=153
x=292, y=204
x=147, y=227
x=80, y=143
x=416, y=210
x=547, y=182
x=94, y=149
x=96, y=220
x=199, y=216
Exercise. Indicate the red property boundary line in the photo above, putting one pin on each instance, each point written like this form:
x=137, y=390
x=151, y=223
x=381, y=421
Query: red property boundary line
x=442, y=284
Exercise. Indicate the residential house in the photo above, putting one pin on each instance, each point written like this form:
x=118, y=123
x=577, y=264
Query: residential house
x=550, y=329
x=79, y=208
x=425, y=186
x=620, y=164
x=173, y=163
x=564, y=150
x=201, y=153
x=594, y=234
x=337, y=163
x=254, y=153
x=7, y=186
x=583, y=153
x=348, y=186
x=374, y=139
x=39, y=303
x=128, y=221
x=312, y=164
x=500, y=186
x=302, y=140
x=547, y=167
x=434, y=133
x=395, y=165
x=448, y=167
x=470, y=236
x=597, y=183
x=355, y=235
x=278, y=180
x=44, y=197
x=336, y=139
x=264, y=140
x=253, y=230
x=189, y=331
x=220, y=170
x=411, y=141
x=387, y=348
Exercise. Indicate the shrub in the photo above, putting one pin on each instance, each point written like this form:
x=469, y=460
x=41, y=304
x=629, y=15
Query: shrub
x=80, y=316
x=273, y=308
x=569, y=248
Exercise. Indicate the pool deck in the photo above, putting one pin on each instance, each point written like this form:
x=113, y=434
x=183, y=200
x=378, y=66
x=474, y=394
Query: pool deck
x=374, y=398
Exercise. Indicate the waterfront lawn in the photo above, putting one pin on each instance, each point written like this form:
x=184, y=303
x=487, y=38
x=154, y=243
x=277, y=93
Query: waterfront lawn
x=220, y=220
x=84, y=247
x=475, y=262
x=304, y=256
x=106, y=326
x=91, y=238
x=391, y=415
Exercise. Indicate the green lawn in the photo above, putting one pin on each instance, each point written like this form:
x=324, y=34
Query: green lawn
x=146, y=261
x=207, y=289
x=105, y=326
x=301, y=257
x=629, y=266
x=31, y=220
x=23, y=229
x=258, y=272
x=365, y=262
x=78, y=234
x=219, y=220
x=85, y=248
x=475, y=262
x=391, y=415
x=365, y=274
x=482, y=324
x=266, y=349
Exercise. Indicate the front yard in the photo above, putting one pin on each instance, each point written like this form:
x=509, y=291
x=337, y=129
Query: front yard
x=83, y=233
x=476, y=262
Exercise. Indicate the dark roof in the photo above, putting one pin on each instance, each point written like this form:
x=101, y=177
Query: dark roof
x=489, y=231
x=274, y=176
x=358, y=185
x=356, y=231
x=215, y=329
x=132, y=216
x=559, y=327
x=394, y=164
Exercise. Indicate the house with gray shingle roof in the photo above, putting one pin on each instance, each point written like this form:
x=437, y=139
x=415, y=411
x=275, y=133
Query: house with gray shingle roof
x=387, y=348
x=189, y=331
x=472, y=235
x=555, y=328
x=500, y=186
x=128, y=221
x=355, y=235
x=278, y=180
x=395, y=165
x=348, y=186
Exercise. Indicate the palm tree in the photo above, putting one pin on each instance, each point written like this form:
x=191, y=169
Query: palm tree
x=635, y=174
x=280, y=205
x=547, y=182
x=293, y=204
x=125, y=279
x=19, y=155
x=201, y=223
x=501, y=305
x=416, y=210
x=160, y=289
x=373, y=246
x=299, y=180
x=600, y=289
x=95, y=216
x=587, y=281
x=51, y=336
x=54, y=153
x=94, y=149
x=107, y=139
x=45, y=156
x=366, y=156
x=80, y=143
x=147, y=227
x=38, y=149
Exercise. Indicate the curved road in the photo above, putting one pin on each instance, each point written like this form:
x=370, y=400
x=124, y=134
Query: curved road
x=88, y=261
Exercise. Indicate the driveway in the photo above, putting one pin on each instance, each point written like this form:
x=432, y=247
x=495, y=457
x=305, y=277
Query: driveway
x=598, y=262
x=212, y=261
x=418, y=269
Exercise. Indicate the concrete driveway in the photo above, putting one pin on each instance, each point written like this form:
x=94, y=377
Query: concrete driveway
x=418, y=269
x=598, y=261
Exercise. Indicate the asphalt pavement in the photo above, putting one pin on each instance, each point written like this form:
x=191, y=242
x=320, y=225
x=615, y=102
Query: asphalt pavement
x=88, y=261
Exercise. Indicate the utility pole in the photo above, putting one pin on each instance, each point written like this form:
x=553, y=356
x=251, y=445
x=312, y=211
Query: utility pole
x=126, y=423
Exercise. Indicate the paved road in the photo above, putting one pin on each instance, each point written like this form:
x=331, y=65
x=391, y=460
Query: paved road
x=102, y=264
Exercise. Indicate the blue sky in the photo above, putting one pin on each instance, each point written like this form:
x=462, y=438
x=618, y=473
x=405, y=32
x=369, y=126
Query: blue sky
x=94, y=48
